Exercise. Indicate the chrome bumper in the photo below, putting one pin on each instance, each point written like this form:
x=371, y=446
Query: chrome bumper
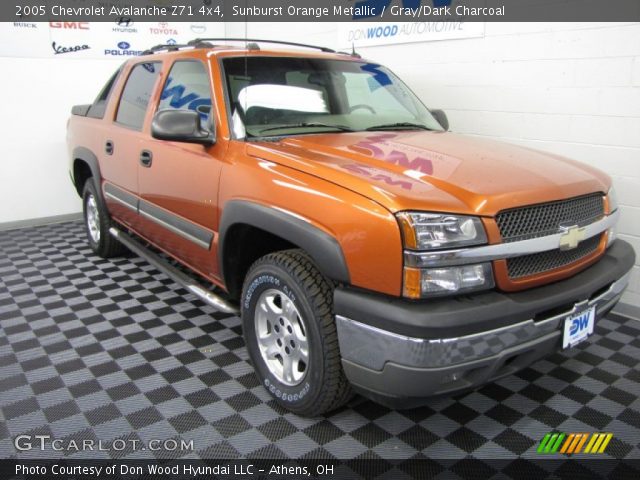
x=372, y=348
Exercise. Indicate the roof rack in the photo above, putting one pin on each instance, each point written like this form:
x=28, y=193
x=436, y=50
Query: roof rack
x=204, y=41
x=252, y=44
x=165, y=48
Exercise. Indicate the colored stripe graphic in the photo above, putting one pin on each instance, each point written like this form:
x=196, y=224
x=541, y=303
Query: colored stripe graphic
x=550, y=443
x=543, y=443
x=598, y=443
x=582, y=442
x=579, y=437
x=592, y=441
x=572, y=443
x=605, y=442
x=567, y=443
x=556, y=445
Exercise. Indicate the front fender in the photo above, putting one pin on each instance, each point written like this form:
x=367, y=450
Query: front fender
x=320, y=246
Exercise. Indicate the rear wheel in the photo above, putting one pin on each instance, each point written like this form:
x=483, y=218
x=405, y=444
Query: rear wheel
x=97, y=223
x=290, y=333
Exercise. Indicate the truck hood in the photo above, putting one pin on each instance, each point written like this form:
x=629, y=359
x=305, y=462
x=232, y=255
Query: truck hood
x=438, y=171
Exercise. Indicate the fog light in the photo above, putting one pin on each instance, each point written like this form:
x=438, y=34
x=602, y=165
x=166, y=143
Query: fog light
x=447, y=281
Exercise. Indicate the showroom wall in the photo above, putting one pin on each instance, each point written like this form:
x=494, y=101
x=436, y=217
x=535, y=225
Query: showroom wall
x=572, y=89
x=39, y=88
x=38, y=95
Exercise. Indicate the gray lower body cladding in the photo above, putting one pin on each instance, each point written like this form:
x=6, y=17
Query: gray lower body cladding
x=400, y=352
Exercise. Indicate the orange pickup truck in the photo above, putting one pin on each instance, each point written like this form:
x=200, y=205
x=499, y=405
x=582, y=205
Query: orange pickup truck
x=366, y=248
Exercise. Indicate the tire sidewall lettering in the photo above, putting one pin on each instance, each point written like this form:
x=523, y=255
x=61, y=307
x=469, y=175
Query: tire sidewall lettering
x=261, y=282
x=284, y=396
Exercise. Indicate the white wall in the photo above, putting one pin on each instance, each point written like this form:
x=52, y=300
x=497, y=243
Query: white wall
x=38, y=90
x=571, y=89
x=37, y=99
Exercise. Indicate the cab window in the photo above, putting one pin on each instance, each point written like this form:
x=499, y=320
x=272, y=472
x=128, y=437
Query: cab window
x=137, y=94
x=187, y=88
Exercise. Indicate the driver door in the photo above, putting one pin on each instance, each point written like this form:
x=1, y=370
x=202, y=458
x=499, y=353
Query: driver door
x=178, y=182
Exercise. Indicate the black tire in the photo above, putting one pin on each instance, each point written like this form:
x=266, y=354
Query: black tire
x=323, y=386
x=103, y=245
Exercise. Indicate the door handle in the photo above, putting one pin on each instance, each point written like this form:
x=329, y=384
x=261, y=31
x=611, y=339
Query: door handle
x=108, y=147
x=146, y=157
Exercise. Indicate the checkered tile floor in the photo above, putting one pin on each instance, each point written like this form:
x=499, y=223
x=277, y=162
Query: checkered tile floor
x=104, y=350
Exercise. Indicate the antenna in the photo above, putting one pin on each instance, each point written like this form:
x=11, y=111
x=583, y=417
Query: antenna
x=353, y=50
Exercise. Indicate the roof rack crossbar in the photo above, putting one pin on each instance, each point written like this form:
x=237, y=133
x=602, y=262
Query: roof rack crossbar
x=164, y=47
x=258, y=40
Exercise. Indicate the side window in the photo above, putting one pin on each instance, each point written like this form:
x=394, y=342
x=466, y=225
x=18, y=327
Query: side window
x=136, y=94
x=99, y=105
x=187, y=88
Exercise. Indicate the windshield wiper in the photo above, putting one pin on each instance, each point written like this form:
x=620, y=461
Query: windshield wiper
x=407, y=125
x=310, y=125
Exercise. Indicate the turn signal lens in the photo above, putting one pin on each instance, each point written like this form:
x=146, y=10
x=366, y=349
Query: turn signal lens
x=420, y=283
x=411, y=284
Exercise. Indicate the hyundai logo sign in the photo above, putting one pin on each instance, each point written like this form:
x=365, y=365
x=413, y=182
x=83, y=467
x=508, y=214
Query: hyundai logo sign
x=124, y=45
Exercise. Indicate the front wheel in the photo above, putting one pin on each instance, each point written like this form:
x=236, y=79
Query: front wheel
x=291, y=335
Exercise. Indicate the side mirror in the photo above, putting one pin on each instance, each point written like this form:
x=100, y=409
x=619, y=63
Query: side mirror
x=180, y=126
x=441, y=117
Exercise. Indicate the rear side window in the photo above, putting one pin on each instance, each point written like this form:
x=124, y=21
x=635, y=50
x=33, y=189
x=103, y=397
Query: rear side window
x=187, y=88
x=99, y=105
x=136, y=94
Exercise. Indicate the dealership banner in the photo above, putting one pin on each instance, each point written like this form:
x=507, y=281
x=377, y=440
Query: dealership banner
x=122, y=38
x=369, y=34
x=319, y=10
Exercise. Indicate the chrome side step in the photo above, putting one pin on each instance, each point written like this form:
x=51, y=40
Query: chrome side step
x=203, y=294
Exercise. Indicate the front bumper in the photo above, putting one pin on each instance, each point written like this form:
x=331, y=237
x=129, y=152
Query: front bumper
x=398, y=352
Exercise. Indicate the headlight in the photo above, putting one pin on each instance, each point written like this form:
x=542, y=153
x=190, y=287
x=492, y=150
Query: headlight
x=428, y=282
x=613, y=206
x=427, y=231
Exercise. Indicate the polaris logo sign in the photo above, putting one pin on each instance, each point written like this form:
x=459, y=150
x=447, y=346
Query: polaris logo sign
x=123, y=50
x=367, y=34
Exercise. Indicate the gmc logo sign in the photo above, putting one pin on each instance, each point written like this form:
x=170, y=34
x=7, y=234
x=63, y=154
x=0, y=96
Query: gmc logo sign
x=70, y=25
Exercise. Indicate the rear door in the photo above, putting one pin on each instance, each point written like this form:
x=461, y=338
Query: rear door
x=178, y=182
x=124, y=140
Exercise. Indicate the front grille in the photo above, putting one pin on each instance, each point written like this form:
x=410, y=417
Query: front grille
x=526, y=265
x=545, y=218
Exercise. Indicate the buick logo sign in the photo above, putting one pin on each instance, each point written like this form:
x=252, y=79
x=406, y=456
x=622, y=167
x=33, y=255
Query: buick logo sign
x=124, y=45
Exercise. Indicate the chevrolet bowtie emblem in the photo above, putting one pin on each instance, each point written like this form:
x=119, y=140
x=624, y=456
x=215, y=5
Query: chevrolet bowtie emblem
x=571, y=237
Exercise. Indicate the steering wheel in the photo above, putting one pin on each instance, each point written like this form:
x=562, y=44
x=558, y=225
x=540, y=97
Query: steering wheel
x=362, y=106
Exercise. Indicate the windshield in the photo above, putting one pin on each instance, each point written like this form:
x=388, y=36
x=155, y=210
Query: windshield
x=274, y=96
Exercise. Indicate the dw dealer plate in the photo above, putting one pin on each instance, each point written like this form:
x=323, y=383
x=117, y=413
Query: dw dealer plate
x=578, y=327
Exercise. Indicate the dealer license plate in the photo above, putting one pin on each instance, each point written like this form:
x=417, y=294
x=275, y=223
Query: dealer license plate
x=578, y=327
